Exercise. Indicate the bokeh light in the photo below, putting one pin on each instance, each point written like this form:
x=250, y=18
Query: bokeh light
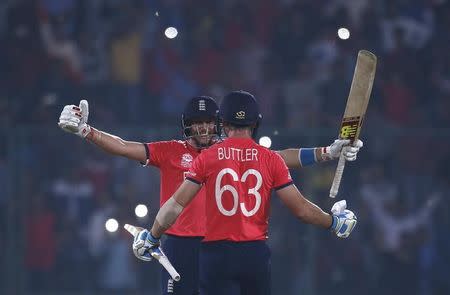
x=265, y=141
x=171, y=32
x=343, y=33
x=111, y=225
x=141, y=210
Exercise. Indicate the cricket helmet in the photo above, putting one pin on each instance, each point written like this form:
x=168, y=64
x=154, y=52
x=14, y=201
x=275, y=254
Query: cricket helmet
x=198, y=109
x=239, y=108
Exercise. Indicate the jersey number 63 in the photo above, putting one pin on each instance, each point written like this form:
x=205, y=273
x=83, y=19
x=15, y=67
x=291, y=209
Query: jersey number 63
x=252, y=191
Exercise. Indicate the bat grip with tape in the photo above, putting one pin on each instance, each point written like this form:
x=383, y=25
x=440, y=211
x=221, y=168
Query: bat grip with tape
x=161, y=257
x=168, y=266
x=337, y=176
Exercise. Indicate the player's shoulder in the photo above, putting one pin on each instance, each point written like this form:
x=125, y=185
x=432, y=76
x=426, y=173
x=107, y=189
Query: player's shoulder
x=266, y=151
x=169, y=147
x=170, y=143
x=179, y=143
x=272, y=158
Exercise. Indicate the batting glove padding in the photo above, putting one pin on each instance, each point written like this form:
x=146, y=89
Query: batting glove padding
x=344, y=220
x=342, y=146
x=73, y=119
x=144, y=244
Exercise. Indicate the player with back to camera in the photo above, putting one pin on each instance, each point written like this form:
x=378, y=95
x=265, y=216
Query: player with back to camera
x=174, y=158
x=238, y=175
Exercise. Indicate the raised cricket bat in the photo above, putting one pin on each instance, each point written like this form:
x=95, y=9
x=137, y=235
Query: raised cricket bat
x=158, y=254
x=357, y=102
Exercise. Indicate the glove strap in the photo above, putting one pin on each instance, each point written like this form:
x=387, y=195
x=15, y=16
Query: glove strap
x=86, y=131
x=93, y=135
x=152, y=239
x=334, y=222
x=326, y=155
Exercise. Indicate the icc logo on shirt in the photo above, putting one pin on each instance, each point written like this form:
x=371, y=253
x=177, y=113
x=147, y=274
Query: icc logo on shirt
x=186, y=160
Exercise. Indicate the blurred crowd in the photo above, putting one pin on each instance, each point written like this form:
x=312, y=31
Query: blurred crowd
x=59, y=191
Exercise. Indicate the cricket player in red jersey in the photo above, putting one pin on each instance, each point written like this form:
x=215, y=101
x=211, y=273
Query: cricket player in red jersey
x=174, y=158
x=238, y=175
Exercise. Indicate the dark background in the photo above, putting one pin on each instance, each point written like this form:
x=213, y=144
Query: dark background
x=56, y=191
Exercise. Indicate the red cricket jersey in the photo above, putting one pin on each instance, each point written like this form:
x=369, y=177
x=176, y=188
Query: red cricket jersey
x=239, y=176
x=174, y=158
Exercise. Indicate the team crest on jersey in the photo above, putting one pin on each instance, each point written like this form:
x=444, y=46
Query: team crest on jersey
x=186, y=160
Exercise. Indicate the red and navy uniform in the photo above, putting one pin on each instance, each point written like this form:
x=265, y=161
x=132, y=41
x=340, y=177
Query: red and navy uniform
x=238, y=176
x=182, y=244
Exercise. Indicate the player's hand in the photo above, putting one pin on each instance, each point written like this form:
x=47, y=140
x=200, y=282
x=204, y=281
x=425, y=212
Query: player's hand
x=73, y=119
x=144, y=244
x=343, y=146
x=344, y=220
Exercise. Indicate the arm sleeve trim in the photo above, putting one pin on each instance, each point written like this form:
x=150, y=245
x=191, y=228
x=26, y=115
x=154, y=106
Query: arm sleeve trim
x=284, y=185
x=193, y=180
x=147, y=154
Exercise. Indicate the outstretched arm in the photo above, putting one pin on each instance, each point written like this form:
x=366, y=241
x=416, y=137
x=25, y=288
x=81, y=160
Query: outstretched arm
x=341, y=221
x=293, y=157
x=74, y=119
x=117, y=146
x=296, y=158
x=304, y=209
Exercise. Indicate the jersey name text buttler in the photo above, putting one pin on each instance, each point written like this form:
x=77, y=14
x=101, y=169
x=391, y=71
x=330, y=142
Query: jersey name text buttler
x=241, y=155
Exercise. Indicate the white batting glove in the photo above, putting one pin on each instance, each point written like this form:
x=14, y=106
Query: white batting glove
x=73, y=119
x=343, y=146
x=144, y=244
x=344, y=220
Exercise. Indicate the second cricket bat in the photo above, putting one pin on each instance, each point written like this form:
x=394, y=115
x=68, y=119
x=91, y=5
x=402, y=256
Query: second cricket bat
x=158, y=254
x=357, y=102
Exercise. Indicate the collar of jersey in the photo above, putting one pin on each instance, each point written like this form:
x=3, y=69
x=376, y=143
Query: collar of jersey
x=240, y=139
x=191, y=148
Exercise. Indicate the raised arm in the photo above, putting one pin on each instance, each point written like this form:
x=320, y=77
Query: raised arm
x=117, y=146
x=74, y=119
x=341, y=221
x=296, y=158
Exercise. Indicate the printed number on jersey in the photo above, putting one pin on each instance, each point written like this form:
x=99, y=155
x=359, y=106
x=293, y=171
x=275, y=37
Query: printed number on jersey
x=228, y=187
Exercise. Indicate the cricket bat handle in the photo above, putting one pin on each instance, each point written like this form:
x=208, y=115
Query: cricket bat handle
x=160, y=256
x=168, y=266
x=337, y=176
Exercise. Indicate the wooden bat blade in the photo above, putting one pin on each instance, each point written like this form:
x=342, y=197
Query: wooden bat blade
x=359, y=95
x=356, y=107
